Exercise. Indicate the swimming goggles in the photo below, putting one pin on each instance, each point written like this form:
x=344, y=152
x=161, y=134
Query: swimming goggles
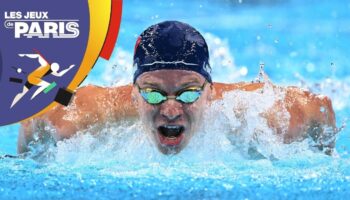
x=187, y=95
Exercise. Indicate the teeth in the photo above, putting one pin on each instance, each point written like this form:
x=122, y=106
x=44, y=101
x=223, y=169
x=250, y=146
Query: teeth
x=171, y=138
x=171, y=126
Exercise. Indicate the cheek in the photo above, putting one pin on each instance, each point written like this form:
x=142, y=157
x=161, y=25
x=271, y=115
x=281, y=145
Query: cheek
x=147, y=112
x=194, y=111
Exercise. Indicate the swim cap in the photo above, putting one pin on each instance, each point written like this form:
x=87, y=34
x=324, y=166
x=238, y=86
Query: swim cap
x=171, y=45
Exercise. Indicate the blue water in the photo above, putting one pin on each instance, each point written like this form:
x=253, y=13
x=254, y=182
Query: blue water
x=303, y=43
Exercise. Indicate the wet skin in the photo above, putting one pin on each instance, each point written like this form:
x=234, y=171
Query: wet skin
x=93, y=105
x=171, y=113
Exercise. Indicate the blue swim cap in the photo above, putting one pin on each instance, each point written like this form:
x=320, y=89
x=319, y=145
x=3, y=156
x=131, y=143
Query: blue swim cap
x=171, y=45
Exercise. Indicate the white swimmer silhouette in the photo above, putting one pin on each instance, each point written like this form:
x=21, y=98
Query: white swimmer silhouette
x=35, y=77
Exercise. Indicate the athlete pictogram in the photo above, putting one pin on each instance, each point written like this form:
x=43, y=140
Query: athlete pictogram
x=35, y=78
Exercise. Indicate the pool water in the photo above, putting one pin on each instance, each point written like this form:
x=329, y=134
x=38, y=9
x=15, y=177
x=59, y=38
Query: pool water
x=302, y=43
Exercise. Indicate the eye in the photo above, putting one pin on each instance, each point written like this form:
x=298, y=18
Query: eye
x=189, y=96
x=152, y=96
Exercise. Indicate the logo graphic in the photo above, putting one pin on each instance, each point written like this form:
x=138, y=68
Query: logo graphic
x=47, y=48
x=35, y=78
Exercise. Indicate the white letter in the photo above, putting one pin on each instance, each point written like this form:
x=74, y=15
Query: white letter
x=50, y=27
x=20, y=28
x=73, y=28
x=35, y=30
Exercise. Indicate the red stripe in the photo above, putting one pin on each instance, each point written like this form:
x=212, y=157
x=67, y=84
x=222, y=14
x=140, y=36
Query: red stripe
x=137, y=44
x=38, y=52
x=113, y=29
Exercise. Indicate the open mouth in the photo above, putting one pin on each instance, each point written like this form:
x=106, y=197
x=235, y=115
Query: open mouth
x=171, y=135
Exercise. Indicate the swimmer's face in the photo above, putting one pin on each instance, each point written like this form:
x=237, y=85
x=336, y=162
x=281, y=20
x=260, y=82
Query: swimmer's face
x=171, y=124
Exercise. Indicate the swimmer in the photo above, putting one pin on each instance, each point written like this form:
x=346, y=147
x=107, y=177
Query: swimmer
x=35, y=77
x=171, y=89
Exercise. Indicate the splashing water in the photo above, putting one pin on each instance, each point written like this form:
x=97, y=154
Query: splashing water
x=239, y=130
x=217, y=161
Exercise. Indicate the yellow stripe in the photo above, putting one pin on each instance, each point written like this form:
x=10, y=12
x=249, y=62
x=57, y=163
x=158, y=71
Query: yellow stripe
x=100, y=12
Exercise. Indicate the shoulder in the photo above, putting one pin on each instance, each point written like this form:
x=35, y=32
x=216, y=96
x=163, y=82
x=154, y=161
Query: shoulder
x=90, y=105
x=316, y=105
x=220, y=88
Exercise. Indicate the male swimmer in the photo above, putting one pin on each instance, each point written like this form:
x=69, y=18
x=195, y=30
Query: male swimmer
x=171, y=89
x=35, y=77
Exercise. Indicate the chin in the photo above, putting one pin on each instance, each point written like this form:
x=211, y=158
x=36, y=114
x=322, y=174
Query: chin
x=169, y=150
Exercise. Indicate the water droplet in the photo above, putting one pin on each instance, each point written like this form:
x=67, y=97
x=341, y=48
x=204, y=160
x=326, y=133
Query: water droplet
x=262, y=76
x=276, y=41
x=243, y=71
x=322, y=109
x=333, y=68
x=262, y=65
x=258, y=37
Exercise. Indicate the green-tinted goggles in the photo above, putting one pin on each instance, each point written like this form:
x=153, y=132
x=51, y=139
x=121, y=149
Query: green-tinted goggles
x=188, y=95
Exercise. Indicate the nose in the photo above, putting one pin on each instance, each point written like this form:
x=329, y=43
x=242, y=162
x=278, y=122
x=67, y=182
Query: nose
x=171, y=110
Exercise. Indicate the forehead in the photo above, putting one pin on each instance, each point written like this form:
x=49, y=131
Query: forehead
x=167, y=78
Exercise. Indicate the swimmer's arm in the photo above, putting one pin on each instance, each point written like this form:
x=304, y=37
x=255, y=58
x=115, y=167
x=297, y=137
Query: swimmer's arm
x=32, y=132
x=24, y=136
x=311, y=116
x=61, y=73
x=41, y=60
x=91, y=106
x=219, y=89
x=304, y=106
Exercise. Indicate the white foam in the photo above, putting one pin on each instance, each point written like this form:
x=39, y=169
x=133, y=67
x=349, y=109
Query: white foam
x=231, y=128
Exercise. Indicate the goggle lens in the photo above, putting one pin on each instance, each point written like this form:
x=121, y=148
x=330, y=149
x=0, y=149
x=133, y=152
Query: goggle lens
x=153, y=97
x=189, y=96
